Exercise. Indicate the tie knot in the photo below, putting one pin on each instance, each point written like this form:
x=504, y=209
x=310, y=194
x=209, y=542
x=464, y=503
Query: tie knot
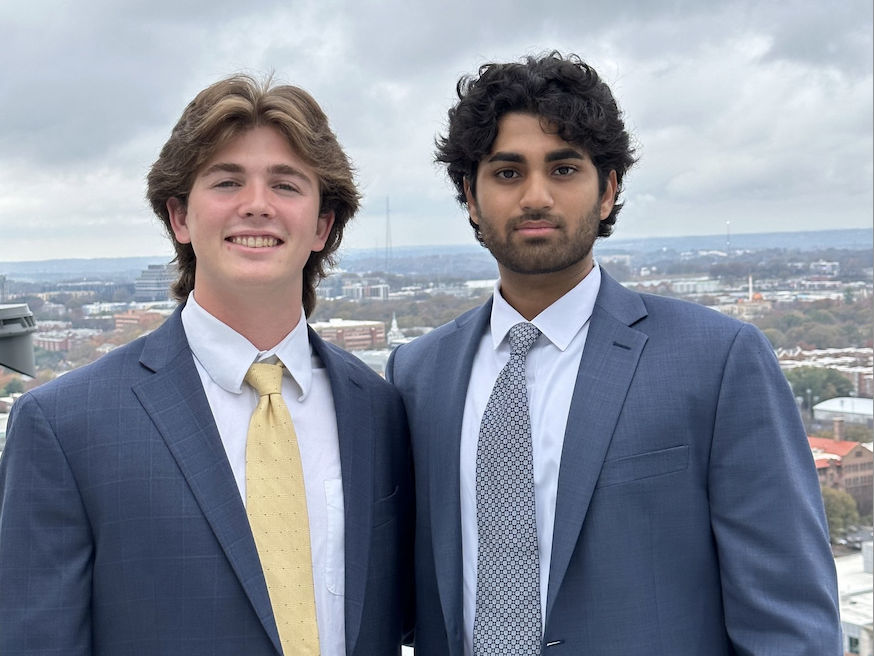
x=522, y=338
x=265, y=378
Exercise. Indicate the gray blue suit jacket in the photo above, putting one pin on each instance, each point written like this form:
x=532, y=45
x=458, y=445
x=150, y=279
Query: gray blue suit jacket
x=688, y=518
x=122, y=530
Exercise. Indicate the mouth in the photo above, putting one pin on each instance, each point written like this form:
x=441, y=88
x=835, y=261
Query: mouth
x=261, y=241
x=536, y=223
x=535, y=228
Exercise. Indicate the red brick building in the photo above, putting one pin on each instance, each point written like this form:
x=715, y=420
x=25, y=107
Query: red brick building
x=845, y=466
x=351, y=335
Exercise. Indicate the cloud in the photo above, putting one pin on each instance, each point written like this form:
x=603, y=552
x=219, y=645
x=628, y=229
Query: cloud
x=746, y=111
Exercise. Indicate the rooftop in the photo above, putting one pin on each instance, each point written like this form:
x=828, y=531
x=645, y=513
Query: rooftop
x=849, y=405
x=824, y=446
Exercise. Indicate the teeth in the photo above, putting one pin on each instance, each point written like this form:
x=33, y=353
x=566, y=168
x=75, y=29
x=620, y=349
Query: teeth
x=255, y=242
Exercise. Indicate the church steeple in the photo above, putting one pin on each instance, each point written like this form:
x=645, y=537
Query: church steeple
x=394, y=334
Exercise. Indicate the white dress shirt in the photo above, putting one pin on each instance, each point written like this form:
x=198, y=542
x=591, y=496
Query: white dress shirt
x=550, y=373
x=222, y=357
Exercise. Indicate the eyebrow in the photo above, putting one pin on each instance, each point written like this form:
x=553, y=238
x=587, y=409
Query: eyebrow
x=224, y=167
x=506, y=157
x=564, y=153
x=554, y=156
x=275, y=169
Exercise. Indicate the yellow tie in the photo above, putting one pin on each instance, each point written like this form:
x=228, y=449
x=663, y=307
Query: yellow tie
x=277, y=509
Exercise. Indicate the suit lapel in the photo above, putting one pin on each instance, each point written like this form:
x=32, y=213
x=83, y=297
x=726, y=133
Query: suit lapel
x=609, y=361
x=174, y=399
x=454, y=362
x=354, y=430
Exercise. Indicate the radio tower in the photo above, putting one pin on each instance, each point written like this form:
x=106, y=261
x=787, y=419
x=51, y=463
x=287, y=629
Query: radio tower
x=387, y=236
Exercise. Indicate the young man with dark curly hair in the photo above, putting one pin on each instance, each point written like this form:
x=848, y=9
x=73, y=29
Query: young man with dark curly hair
x=229, y=484
x=598, y=471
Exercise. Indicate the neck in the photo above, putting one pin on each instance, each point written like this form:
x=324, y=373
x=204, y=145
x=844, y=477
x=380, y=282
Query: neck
x=263, y=321
x=530, y=294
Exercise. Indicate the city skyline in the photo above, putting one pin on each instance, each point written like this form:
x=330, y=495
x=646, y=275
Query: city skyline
x=748, y=112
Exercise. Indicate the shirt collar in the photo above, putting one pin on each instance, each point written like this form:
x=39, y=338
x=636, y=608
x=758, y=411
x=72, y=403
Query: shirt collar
x=226, y=355
x=560, y=322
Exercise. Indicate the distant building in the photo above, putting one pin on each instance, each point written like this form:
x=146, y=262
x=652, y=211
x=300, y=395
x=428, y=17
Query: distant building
x=375, y=359
x=358, y=291
x=137, y=318
x=51, y=342
x=3, y=419
x=95, y=309
x=351, y=335
x=62, y=339
x=855, y=574
x=695, y=286
x=855, y=364
x=746, y=310
x=154, y=283
x=823, y=268
x=395, y=335
x=853, y=410
x=845, y=466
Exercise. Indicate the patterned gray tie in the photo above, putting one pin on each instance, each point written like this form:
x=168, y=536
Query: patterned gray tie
x=507, y=618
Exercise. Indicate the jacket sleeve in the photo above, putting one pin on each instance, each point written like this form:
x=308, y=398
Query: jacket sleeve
x=777, y=570
x=46, y=546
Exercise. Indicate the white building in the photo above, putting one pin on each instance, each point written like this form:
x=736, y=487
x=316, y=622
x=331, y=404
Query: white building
x=856, y=593
x=154, y=282
x=853, y=409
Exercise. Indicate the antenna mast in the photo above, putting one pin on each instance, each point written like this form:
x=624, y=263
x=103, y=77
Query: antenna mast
x=387, y=235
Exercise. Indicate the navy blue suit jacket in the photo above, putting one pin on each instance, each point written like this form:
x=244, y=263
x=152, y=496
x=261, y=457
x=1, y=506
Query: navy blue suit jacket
x=122, y=530
x=688, y=517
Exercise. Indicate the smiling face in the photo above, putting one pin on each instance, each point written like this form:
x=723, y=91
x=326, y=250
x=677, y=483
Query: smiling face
x=253, y=219
x=537, y=202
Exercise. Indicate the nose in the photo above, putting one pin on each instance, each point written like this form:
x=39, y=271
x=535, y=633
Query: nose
x=536, y=194
x=255, y=200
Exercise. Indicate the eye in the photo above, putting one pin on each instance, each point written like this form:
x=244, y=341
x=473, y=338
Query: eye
x=507, y=174
x=565, y=170
x=286, y=186
x=227, y=183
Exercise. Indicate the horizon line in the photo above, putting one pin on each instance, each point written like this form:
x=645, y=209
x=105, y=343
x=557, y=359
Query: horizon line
x=600, y=241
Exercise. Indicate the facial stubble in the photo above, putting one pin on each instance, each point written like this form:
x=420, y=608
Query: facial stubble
x=540, y=255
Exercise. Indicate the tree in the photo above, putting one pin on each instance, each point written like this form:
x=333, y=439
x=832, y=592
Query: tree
x=824, y=383
x=47, y=359
x=840, y=511
x=774, y=336
x=852, y=432
x=14, y=386
x=849, y=297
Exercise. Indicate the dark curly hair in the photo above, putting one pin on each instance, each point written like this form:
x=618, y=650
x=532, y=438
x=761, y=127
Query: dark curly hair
x=222, y=112
x=565, y=92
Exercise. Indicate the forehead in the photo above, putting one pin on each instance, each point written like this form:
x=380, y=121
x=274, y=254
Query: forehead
x=261, y=147
x=527, y=133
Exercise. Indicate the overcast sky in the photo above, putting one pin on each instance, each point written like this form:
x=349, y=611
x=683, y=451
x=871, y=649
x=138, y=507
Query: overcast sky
x=754, y=112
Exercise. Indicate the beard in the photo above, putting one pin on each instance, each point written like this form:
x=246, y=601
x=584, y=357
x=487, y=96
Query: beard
x=541, y=255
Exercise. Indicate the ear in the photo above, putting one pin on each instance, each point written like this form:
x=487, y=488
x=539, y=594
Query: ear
x=178, y=220
x=608, y=198
x=471, y=202
x=323, y=228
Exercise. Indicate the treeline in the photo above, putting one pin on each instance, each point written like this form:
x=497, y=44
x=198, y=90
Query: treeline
x=819, y=324
x=813, y=325
x=419, y=311
x=772, y=263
